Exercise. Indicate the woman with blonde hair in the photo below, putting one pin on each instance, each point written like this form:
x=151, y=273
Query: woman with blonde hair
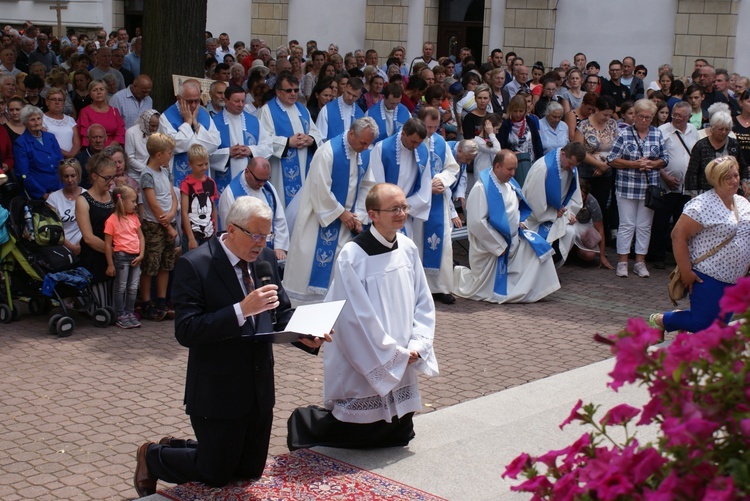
x=711, y=244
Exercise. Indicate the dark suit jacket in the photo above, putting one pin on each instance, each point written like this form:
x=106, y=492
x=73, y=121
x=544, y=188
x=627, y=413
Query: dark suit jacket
x=227, y=369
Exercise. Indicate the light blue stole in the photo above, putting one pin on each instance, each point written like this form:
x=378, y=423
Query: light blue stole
x=335, y=122
x=377, y=113
x=391, y=166
x=180, y=167
x=553, y=188
x=238, y=190
x=328, y=237
x=498, y=219
x=290, y=167
x=250, y=136
x=434, y=227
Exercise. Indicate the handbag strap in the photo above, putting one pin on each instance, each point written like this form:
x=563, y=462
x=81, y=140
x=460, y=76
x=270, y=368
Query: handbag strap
x=722, y=244
x=679, y=136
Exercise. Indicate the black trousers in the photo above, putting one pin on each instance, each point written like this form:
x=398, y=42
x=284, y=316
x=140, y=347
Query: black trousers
x=661, y=229
x=316, y=426
x=601, y=187
x=226, y=449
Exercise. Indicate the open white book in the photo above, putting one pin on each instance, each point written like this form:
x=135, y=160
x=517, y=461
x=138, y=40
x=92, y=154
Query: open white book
x=309, y=320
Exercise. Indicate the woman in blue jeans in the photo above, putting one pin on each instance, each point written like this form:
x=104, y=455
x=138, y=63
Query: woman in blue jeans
x=707, y=222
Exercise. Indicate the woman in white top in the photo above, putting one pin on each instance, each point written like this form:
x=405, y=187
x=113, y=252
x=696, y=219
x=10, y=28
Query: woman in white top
x=62, y=126
x=487, y=144
x=64, y=202
x=710, y=219
x=135, y=142
x=553, y=131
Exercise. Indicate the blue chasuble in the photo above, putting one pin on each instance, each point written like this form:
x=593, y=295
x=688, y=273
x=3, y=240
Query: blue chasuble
x=328, y=237
x=335, y=122
x=377, y=112
x=498, y=219
x=250, y=136
x=291, y=170
x=434, y=227
x=553, y=188
x=180, y=167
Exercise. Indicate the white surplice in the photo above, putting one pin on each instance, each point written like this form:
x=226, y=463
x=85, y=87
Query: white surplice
x=318, y=208
x=529, y=279
x=389, y=312
x=407, y=175
x=442, y=281
x=280, y=228
x=237, y=130
x=279, y=143
x=536, y=195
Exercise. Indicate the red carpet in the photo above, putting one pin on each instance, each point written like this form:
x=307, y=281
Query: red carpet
x=305, y=475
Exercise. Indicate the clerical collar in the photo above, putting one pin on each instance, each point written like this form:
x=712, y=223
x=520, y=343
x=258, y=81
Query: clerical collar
x=381, y=239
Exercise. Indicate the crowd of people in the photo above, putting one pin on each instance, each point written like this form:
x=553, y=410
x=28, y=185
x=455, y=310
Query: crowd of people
x=540, y=166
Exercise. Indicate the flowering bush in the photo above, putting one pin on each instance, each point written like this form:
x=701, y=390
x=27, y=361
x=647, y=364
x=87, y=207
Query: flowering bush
x=700, y=401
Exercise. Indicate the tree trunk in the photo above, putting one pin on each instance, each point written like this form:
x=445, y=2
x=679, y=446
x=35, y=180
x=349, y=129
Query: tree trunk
x=173, y=44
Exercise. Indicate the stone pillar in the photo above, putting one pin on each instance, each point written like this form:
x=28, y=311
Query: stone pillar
x=742, y=41
x=270, y=22
x=386, y=25
x=707, y=29
x=415, y=30
x=496, y=26
x=530, y=30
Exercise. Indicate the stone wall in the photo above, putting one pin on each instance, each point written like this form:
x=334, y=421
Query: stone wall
x=270, y=22
x=386, y=25
x=431, y=9
x=707, y=29
x=530, y=30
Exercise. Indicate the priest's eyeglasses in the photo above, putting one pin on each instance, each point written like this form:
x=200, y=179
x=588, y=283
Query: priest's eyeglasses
x=257, y=237
x=395, y=211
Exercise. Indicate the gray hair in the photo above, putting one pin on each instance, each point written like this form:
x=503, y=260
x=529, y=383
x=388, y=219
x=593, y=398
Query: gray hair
x=467, y=146
x=716, y=107
x=211, y=40
x=190, y=83
x=238, y=66
x=645, y=105
x=721, y=118
x=685, y=105
x=29, y=111
x=5, y=78
x=552, y=107
x=361, y=124
x=245, y=208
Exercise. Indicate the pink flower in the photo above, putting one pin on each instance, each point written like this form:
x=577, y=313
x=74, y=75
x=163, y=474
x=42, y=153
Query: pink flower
x=745, y=427
x=567, y=488
x=736, y=298
x=666, y=490
x=689, y=432
x=516, y=466
x=537, y=484
x=720, y=489
x=647, y=463
x=653, y=408
x=574, y=414
x=620, y=414
x=575, y=449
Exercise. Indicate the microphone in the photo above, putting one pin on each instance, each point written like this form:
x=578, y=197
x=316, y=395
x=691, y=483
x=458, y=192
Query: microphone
x=265, y=272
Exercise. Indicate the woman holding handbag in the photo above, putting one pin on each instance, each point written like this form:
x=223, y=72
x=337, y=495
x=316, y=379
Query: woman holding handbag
x=711, y=244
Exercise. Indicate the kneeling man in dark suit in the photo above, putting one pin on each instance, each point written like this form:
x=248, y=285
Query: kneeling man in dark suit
x=229, y=392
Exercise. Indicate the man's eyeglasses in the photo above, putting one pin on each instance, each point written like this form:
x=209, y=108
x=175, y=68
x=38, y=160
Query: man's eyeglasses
x=257, y=237
x=290, y=91
x=395, y=211
x=257, y=179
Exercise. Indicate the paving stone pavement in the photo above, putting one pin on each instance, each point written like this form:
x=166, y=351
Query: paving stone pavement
x=73, y=410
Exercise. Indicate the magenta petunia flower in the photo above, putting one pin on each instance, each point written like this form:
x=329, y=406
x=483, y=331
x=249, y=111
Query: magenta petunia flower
x=736, y=298
x=574, y=414
x=620, y=414
x=516, y=466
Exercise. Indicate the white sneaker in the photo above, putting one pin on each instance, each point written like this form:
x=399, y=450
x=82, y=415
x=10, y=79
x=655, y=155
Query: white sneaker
x=622, y=269
x=639, y=269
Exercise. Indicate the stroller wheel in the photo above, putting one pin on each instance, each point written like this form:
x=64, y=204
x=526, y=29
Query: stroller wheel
x=102, y=318
x=52, y=324
x=6, y=316
x=65, y=326
x=112, y=315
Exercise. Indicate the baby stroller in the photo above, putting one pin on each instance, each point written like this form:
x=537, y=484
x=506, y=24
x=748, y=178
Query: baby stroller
x=37, y=266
